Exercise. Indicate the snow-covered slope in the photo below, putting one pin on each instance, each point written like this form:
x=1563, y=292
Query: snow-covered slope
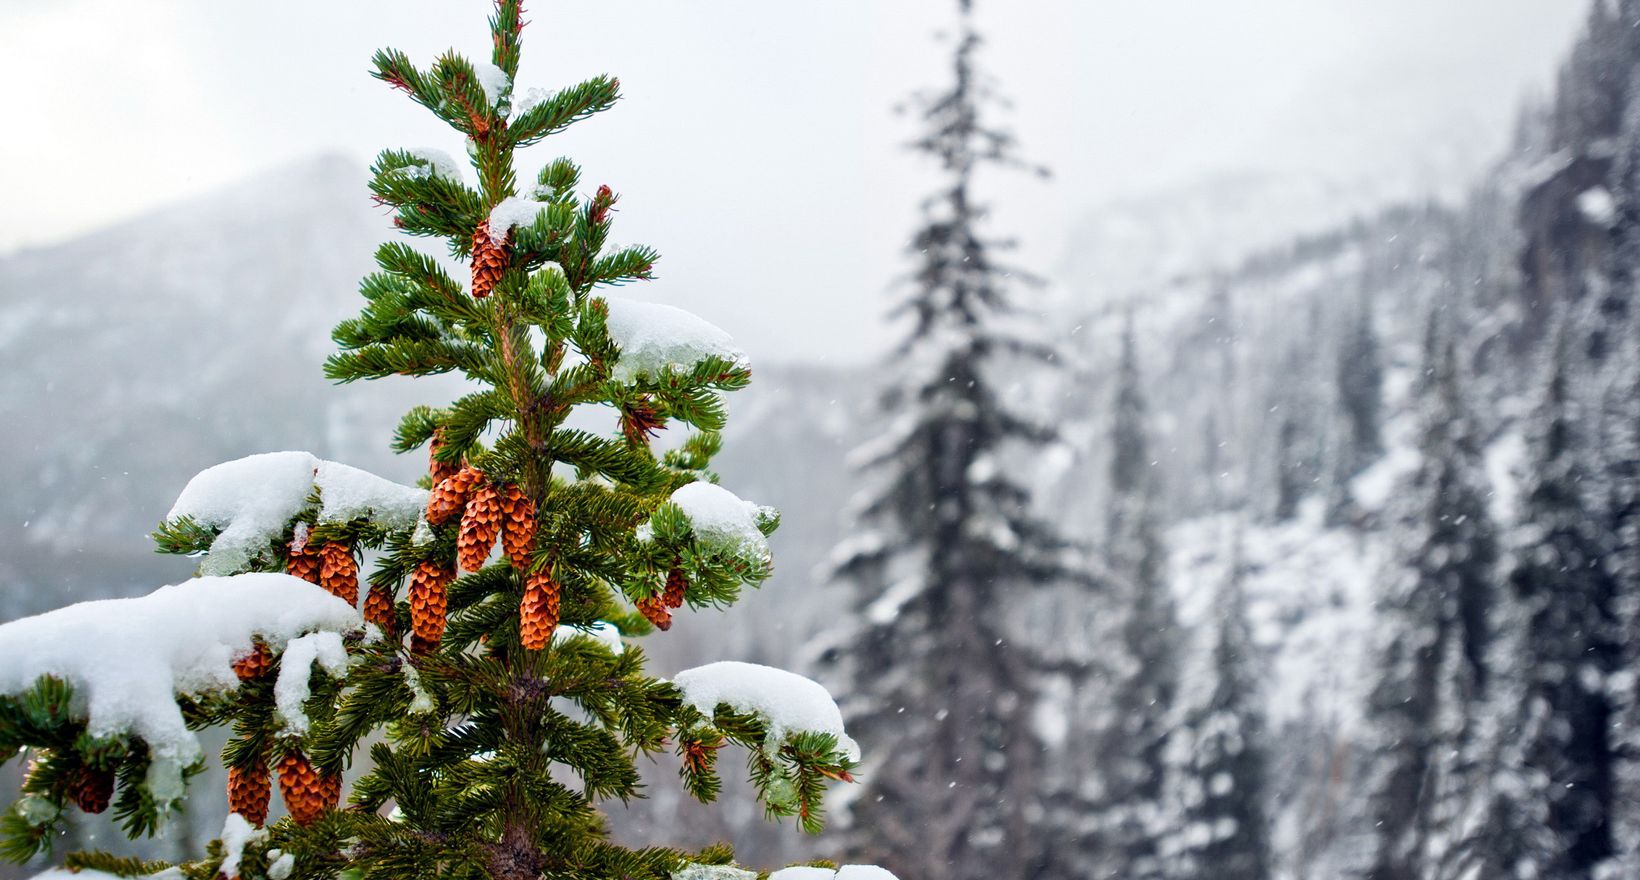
x=136, y=356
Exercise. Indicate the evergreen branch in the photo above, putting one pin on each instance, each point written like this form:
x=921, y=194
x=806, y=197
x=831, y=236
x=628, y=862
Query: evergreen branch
x=563, y=109
x=394, y=68
x=183, y=536
x=506, y=26
x=404, y=358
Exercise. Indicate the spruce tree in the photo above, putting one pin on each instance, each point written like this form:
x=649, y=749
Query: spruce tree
x=1217, y=821
x=1621, y=466
x=483, y=705
x=1143, y=685
x=1360, y=381
x=1570, y=646
x=944, y=690
x=1438, y=632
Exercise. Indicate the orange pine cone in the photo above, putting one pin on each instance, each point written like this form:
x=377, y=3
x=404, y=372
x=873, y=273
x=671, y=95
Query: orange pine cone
x=654, y=608
x=420, y=646
x=428, y=601
x=378, y=608
x=249, y=790
x=489, y=260
x=517, y=526
x=339, y=572
x=332, y=788
x=676, y=584
x=538, y=612
x=439, y=471
x=255, y=663
x=307, y=792
x=450, y=495
x=90, y=789
x=480, y=525
x=303, y=563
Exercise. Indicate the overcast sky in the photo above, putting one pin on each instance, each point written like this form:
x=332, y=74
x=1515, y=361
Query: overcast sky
x=756, y=146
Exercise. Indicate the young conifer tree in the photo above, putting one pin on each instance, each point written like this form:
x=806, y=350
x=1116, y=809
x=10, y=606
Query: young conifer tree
x=484, y=703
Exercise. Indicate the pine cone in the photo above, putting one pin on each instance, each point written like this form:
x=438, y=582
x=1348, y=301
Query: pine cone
x=378, y=608
x=307, y=792
x=332, y=788
x=676, y=584
x=538, y=612
x=428, y=601
x=91, y=789
x=420, y=646
x=249, y=789
x=654, y=608
x=517, y=526
x=339, y=572
x=303, y=563
x=255, y=663
x=480, y=525
x=489, y=260
x=450, y=495
x=439, y=471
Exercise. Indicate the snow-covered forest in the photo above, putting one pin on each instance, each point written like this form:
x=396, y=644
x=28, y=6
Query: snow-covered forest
x=1310, y=555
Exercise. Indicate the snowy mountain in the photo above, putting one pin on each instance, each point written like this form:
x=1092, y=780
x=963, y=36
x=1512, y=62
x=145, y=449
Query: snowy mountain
x=138, y=355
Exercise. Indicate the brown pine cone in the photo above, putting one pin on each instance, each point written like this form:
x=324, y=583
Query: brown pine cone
x=489, y=260
x=480, y=525
x=420, y=646
x=676, y=584
x=339, y=572
x=332, y=788
x=428, y=601
x=439, y=471
x=303, y=563
x=450, y=495
x=90, y=789
x=378, y=608
x=249, y=789
x=654, y=608
x=307, y=792
x=255, y=663
x=538, y=612
x=517, y=526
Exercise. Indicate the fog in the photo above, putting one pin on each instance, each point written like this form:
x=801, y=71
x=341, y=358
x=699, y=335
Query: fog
x=795, y=203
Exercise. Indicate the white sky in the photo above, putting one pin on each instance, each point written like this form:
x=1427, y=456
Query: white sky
x=756, y=146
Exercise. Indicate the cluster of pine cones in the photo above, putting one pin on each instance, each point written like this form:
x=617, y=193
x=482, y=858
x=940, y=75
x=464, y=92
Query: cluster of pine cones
x=488, y=512
x=331, y=565
x=658, y=609
x=307, y=792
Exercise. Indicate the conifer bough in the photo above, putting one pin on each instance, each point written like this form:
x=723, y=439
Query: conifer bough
x=494, y=695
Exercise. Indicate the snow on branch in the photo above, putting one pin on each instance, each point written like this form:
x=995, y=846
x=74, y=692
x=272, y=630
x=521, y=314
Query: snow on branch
x=720, y=520
x=514, y=212
x=90, y=874
x=656, y=339
x=291, y=690
x=786, y=701
x=432, y=163
x=127, y=660
x=696, y=871
x=251, y=501
x=847, y=872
